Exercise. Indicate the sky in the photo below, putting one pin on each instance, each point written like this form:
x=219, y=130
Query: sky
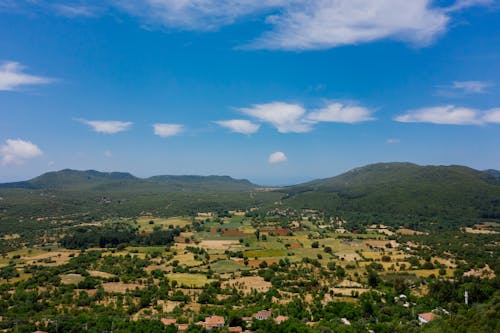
x=273, y=91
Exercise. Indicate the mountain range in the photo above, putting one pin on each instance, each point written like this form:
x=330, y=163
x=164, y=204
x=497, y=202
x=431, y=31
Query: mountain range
x=383, y=191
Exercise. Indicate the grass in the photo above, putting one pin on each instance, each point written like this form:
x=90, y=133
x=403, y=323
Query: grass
x=146, y=249
x=26, y=252
x=226, y=266
x=265, y=253
x=190, y=280
x=187, y=259
x=145, y=226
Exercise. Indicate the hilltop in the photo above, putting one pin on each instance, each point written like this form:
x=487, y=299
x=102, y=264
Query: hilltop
x=400, y=190
x=92, y=180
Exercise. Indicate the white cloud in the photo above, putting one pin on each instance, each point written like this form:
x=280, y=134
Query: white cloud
x=341, y=113
x=239, y=126
x=294, y=24
x=277, y=157
x=492, y=116
x=323, y=24
x=196, y=14
x=287, y=118
x=308, y=24
x=107, y=126
x=166, y=130
x=462, y=4
x=294, y=118
x=12, y=77
x=18, y=151
x=471, y=87
x=392, y=141
x=450, y=115
x=69, y=10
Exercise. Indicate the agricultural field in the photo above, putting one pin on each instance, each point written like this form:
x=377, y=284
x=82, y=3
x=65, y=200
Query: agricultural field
x=177, y=267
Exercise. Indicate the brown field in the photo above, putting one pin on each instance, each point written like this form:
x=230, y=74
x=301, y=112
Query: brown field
x=381, y=243
x=101, y=274
x=295, y=245
x=349, y=256
x=484, y=273
x=406, y=231
x=218, y=244
x=11, y=236
x=71, y=278
x=349, y=284
x=120, y=288
x=247, y=283
x=348, y=291
x=480, y=231
x=53, y=258
x=234, y=232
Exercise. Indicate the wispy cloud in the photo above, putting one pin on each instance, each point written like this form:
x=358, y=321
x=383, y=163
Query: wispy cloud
x=277, y=157
x=167, y=130
x=492, y=116
x=107, y=126
x=13, y=77
x=17, y=151
x=239, y=126
x=294, y=24
x=308, y=25
x=471, y=87
x=392, y=141
x=196, y=14
x=462, y=4
x=294, y=118
x=320, y=24
x=76, y=10
x=450, y=115
x=463, y=88
x=341, y=113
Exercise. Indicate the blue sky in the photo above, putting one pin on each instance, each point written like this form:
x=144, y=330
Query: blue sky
x=273, y=91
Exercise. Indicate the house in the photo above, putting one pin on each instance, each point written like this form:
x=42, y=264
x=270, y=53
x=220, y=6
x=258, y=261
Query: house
x=235, y=329
x=168, y=321
x=262, y=315
x=424, y=318
x=278, y=320
x=182, y=328
x=345, y=321
x=214, y=322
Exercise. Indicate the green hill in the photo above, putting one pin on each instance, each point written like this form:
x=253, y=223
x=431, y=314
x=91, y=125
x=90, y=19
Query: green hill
x=403, y=191
x=91, y=180
x=389, y=193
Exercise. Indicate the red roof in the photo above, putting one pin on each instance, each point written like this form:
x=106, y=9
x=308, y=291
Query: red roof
x=168, y=321
x=214, y=321
x=428, y=316
x=262, y=314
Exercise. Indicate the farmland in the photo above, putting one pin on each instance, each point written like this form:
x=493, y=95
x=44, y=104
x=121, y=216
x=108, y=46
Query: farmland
x=295, y=256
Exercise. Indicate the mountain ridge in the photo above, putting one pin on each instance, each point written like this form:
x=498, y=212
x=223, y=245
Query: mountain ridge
x=69, y=179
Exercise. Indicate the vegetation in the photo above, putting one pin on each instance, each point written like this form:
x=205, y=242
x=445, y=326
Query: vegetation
x=369, y=250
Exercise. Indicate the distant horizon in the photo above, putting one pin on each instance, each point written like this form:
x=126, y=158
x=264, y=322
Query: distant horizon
x=290, y=182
